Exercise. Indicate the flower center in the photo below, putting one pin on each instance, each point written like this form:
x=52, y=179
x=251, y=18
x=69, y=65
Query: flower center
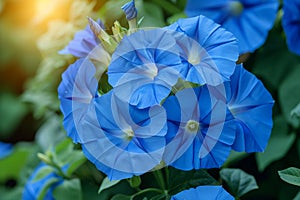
x=152, y=70
x=129, y=134
x=194, y=58
x=192, y=126
x=236, y=8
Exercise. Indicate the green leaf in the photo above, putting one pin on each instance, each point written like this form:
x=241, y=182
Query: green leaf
x=279, y=144
x=297, y=197
x=47, y=184
x=290, y=175
x=43, y=172
x=153, y=14
x=15, y=193
x=121, y=197
x=235, y=156
x=273, y=70
x=12, y=111
x=69, y=189
x=295, y=113
x=238, y=181
x=135, y=181
x=50, y=133
x=181, y=180
x=122, y=187
x=11, y=166
x=176, y=17
x=288, y=98
x=106, y=183
x=75, y=161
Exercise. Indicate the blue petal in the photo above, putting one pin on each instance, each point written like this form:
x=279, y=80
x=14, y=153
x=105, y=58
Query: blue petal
x=203, y=193
x=5, y=149
x=76, y=91
x=251, y=106
x=83, y=43
x=290, y=23
x=250, y=27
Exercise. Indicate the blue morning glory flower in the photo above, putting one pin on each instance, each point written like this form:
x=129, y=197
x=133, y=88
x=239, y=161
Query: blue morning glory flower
x=120, y=139
x=85, y=43
x=145, y=66
x=249, y=20
x=130, y=10
x=33, y=188
x=251, y=106
x=200, y=134
x=80, y=86
x=290, y=23
x=208, y=50
x=5, y=149
x=204, y=193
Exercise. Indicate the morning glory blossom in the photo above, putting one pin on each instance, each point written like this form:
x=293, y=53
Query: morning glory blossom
x=145, y=66
x=82, y=71
x=120, y=139
x=33, y=188
x=85, y=43
x=291, y=24
x=251, y=106
x=249, y=20
x=5, y=149
x=200, y=134
x=207, y=49
x=203, y=193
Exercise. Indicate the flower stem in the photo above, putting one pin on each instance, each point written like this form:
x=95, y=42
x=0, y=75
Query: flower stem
x=167, y=176
x=144, y=191
x=160, y=179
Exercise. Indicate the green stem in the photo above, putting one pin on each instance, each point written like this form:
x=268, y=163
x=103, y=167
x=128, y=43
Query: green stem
x=167, y=6
x=160, y=179
x=144, y=191
x=167, y=176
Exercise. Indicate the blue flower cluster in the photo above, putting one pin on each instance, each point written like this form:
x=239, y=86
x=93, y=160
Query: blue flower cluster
x=178, y=98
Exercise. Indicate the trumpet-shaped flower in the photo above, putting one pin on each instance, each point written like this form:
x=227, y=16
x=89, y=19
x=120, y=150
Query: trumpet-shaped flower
x=291, y=24
x=208, y=50
x=251, y=106
x=249, y=20
x=120, y=139
x=145, y=66
x=200, y=133
x=203, y=193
